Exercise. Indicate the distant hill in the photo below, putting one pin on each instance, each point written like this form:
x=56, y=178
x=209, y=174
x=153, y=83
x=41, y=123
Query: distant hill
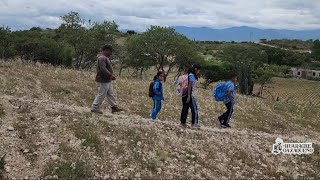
x=244, y=33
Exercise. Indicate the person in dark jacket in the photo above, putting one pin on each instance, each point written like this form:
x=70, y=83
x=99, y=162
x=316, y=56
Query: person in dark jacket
x=189, y=100
x=104, y=80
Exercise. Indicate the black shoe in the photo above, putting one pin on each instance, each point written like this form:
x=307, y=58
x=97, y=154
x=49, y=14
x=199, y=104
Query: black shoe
x=115, y=109
x=184, y=125
x=220, y=120
x=225, y=125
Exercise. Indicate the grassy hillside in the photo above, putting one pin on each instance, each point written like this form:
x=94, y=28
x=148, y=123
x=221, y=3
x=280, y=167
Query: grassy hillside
x=47, y=130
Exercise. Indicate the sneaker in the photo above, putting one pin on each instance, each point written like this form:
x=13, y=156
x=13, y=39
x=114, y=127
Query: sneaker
x=96, y=111
x=184, y=125
x=116, y=109
x=195, y=126
x=224, y=125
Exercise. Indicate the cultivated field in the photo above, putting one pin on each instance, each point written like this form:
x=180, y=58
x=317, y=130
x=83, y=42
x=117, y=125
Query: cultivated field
x=47, y=130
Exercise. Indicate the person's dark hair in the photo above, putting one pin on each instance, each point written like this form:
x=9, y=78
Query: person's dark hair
x=232, y=75
x=193, y=70
x=107, y=47
x=157, y=75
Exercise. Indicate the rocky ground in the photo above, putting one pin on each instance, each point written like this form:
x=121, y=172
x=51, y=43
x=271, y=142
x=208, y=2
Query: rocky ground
x=52, y=134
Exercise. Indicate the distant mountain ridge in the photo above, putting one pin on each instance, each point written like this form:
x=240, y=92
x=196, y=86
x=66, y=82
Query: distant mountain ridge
x=244, y=33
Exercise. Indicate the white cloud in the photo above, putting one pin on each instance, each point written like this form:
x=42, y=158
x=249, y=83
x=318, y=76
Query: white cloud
x=140, y=14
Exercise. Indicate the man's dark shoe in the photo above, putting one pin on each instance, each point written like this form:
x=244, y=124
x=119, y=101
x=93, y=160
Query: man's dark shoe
x=224, y=125
x=115, y=109
x=96, y=111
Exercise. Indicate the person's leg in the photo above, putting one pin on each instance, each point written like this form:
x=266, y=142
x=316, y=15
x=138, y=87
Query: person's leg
x=110, y=97
x=102, y=92
x=153, y=112
x=112, y=100
x=157, y=108
x=184, y=111
x=225, y=115
x=194, y=110
x=230, y=110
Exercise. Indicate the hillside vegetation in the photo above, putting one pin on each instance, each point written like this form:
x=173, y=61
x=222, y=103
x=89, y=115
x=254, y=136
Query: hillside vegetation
x=47, y=130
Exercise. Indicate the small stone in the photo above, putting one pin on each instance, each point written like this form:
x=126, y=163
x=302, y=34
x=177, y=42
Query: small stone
x=48, y=177
x=106, y=177
x=193, y=156
x=10, y=128
x=130, y=169
x=159, y=170
x=26, y=151
x=28, y=164
x=57, y=120
x=55, y=177
x=54, y=157
x=26, y=178
x=8, y=169
x=138, y=143
x=138, y=175
x=263, y=165
x=75, y=120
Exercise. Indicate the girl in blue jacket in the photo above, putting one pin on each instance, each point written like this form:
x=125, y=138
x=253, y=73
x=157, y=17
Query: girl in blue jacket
x=158, y=95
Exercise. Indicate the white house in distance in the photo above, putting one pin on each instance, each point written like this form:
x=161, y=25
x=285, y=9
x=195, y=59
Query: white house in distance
x=305, y=73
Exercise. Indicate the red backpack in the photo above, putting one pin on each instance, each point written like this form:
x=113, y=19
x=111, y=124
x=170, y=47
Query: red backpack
x=151, y=92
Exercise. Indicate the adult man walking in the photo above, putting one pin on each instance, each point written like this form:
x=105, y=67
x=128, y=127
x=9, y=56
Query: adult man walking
x=104, y=78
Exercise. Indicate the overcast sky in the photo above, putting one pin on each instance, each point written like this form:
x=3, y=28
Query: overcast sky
x=140, y=14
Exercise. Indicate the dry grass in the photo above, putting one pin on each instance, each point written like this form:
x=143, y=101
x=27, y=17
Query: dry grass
x=129, y=146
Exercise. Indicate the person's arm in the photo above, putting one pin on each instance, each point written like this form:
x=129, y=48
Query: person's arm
x=229, y=95
x=189, y=92
x=102, y=66
x=156, y=88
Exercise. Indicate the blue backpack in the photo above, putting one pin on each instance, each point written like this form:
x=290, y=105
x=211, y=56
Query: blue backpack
x=220, y=92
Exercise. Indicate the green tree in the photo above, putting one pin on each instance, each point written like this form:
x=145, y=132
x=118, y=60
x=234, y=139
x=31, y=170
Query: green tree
x=138, y=58
x=161, y=47
x=6, y=43
x=263, y=76
x=316, y=50
x=85, y=37
x=246, y=60
x=214, y=71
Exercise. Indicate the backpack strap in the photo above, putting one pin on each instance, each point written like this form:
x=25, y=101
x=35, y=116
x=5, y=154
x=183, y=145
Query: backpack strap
x=188, y=84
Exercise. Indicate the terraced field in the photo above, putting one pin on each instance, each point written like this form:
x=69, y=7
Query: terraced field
x=294, y=91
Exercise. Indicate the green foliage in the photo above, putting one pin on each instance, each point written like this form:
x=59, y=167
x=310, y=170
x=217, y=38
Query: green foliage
x=6, y=43
x=316, y=50
x=68, y=170
x=282, y=57
x=278, y=71
x=2, y=112
x=2, y=162
x=263, y=75
x=245, y=60
x=214, y=71
x=85, y=42
x=138, y=59
x=2, y=166
x=291, y=44
x=161, y=47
